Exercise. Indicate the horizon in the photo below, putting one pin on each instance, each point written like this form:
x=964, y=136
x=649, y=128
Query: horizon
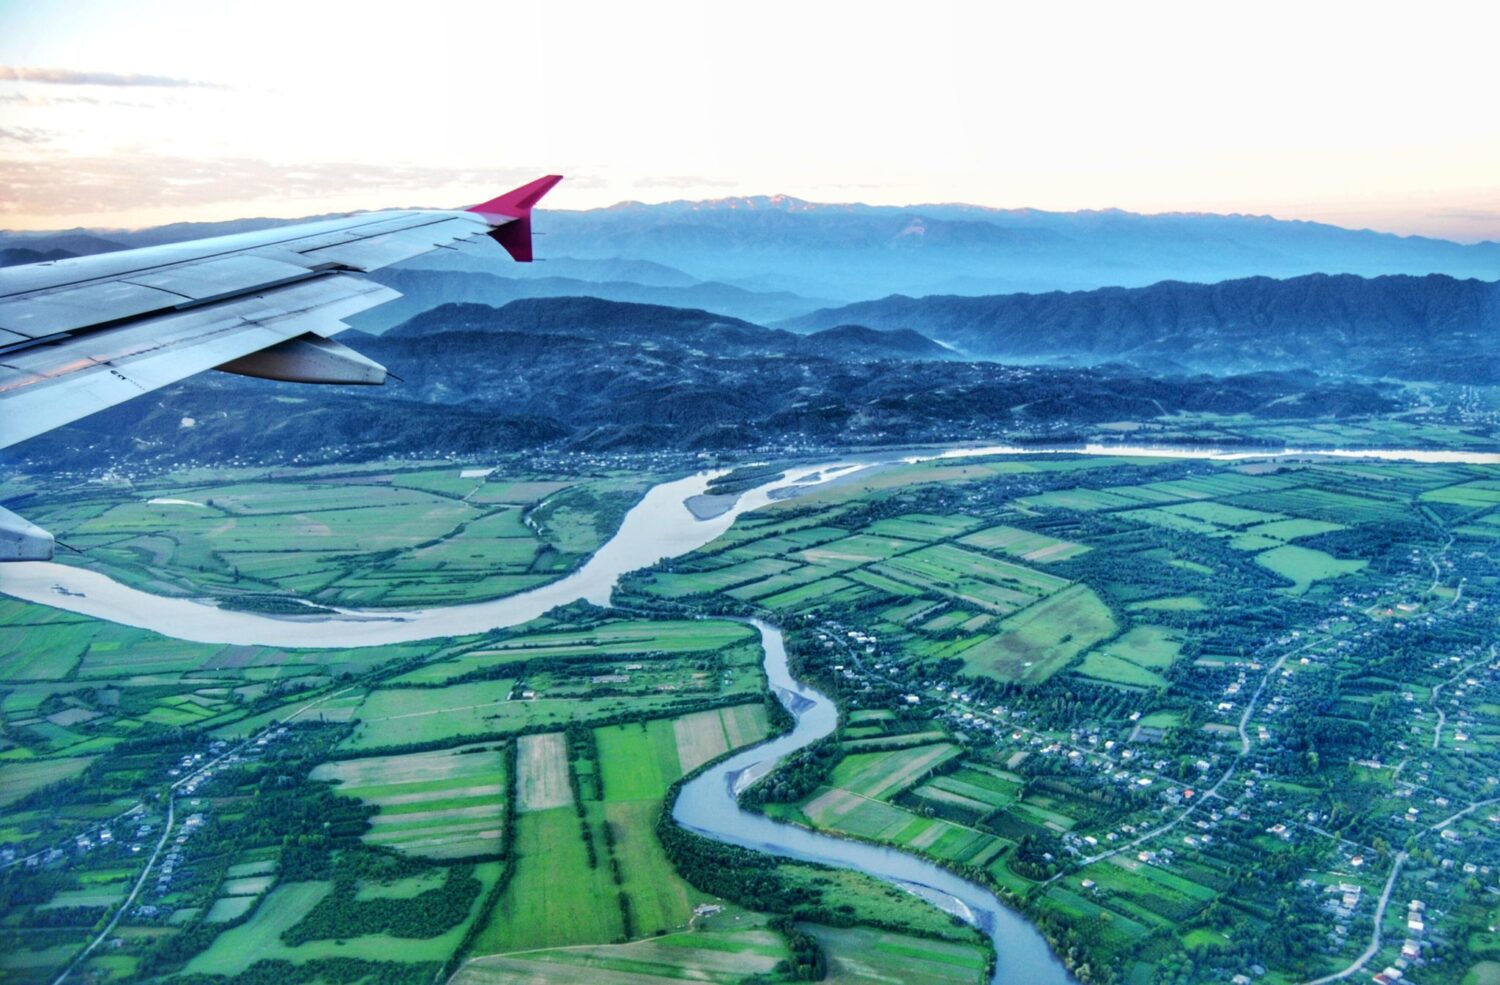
x=638, y=203
x=131, y=115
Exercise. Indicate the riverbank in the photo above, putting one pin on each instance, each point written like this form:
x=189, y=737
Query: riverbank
x=707, y=805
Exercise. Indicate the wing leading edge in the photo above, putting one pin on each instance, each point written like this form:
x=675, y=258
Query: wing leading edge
x=80, y=335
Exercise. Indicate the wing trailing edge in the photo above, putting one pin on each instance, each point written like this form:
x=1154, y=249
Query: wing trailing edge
x=86, y=333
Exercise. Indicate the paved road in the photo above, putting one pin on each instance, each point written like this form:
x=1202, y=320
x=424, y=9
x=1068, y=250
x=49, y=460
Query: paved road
x=1467, y=810
x=171, y=815
x=139, y=883
x=1369, y=952
x=1212, y=791
x=1437, y=732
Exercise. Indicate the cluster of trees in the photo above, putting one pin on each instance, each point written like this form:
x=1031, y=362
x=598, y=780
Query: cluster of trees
x=749, y=878
x=798, y=775
x=743, y=479
x=427, y=914
x=807, y=962
x=1037, y=857
x=325, y=971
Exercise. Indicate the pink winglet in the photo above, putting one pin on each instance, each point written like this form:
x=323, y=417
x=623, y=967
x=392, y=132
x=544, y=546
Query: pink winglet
x=513, y=210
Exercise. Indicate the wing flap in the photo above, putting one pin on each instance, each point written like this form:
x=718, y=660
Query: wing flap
x=49, y=386
x=402, y=244
x=41, y=315
x=219, y=278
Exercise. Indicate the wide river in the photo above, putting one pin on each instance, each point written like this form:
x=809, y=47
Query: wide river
x=658, y=527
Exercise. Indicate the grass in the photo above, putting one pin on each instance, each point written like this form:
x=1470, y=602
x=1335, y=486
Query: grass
x=1150, y=646
x=728, y=948
x=543, y=764
x=1117, y=670
x=1036, y=643
x=259, y=938
x=879, y=775
x=862, y=954
x=1483, y=973
x=1174, y=603
x=554, y=898
x=17, y=779
x=1304, y=566
x=1024, y=544
x=444, y=804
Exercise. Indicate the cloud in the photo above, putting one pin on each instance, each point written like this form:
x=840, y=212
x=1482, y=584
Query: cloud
x=24, y=135
x=64, y=186
x=69, y=77
x=1467, y=215
x=683, y=181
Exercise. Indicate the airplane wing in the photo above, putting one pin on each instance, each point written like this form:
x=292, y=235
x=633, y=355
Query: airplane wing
x=83, y=334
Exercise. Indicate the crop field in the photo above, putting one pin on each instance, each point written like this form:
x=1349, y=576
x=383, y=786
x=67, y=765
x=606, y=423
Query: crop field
x=404, y=537
x=17, y=779
x=556, y=897
x=924, y=526
x=260, y=937
x=976, y=789
x=851, y=552
x=723, y=949
x=707, y=735
x=677, y=586
x=543, y=766
x=1023, y=544
x=1038, y=642
x=626, y=636
x=860, y=955
x=859, y=800
x=651, y=667
x=1134, y=659
x=1304, y=566
x=882, y=774
x=449, y=803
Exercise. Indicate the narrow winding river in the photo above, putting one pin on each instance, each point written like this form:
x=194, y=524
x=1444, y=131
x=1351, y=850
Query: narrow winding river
x=658, y=527
x=708, y=805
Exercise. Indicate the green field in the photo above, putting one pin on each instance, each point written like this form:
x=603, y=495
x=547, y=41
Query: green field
x=1024, y=544
x=859, y=955
x=556, y=898
x=724, y=950
x=1038, y=642
x=405, y=537
x=1303, y=566
x=449, y=803
x=1135, y=658
x=259, y=938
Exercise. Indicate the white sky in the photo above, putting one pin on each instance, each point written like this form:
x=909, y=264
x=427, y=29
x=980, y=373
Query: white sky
x=1363, y=114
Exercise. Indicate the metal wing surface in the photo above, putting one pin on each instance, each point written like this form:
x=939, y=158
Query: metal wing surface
x=83, y=334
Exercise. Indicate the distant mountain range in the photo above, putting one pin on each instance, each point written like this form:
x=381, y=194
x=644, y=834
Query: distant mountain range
x=422, y=289
x=1415, y=328
x=653, y=327
x=858, y=251
x=587, y=374
x=785, y=246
